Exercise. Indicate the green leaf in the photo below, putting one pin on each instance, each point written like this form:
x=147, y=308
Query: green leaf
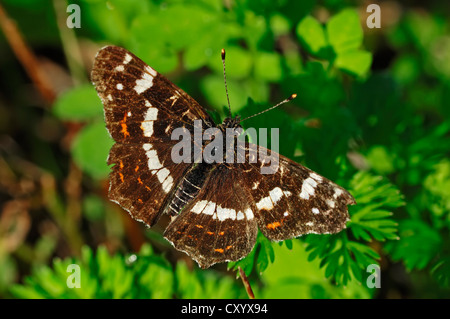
x=110, y=19
x=193, y=285
x=214, y=89
x=90, y=149
x=79, y=104
x=343, y=259
x=371, y=217
x=380, y=159
x=266, y=255
x=239, y=63
x=406, y=68
x=159, y=275
x=356, y=62
x=344, y=31
x=418, y=245
x=258, y=259
x=255, y=27
x=145, y=275
x=268, y=67
x=438, y=185
x=279, y=24
x=441, y=271
x=305, y=280
x=312, y=35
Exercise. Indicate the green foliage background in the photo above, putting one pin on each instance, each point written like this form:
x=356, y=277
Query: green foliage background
x=372, y=114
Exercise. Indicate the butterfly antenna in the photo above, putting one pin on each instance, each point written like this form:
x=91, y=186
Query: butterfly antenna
x=293, y=96
x=225, y=80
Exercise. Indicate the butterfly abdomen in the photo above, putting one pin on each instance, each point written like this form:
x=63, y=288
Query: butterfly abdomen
x=188, y=188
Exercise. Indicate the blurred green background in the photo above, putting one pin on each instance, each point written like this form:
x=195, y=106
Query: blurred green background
x=372, y=114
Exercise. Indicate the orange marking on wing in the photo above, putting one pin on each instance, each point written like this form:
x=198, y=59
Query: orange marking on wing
x=228, y=247
x=210, y=233
x=221, y=233
x=148, y=188
x=140, y=181
x=137, y=168
x=124, y=126
x=121, y=164
x=121, y=177
x=199, y=226
x=219, y=250
x=140, y=201
x=273, y=225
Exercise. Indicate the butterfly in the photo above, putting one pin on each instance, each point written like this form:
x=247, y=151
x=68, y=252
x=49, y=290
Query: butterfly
x=216, y=209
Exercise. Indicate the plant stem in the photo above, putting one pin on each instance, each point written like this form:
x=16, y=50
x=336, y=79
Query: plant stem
x=246, y=283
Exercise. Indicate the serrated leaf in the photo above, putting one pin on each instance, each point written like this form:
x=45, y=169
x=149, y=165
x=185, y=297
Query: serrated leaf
x=371, y=217
x=418, y=245
x=346, y=259
x=112, y=276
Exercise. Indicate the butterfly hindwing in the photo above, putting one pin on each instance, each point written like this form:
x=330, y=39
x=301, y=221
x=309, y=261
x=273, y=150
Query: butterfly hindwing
x=293, y=200
x=219, y=225
x=142, y=178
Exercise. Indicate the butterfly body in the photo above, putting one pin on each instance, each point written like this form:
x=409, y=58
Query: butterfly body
x=231, y=122
x=216, y=207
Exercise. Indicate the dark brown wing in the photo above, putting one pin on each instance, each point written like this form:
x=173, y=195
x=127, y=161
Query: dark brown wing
x=143, y=178
x=142, y=108
x=219, y=225
x=285, y=202
x=140, y=104
x=292, y=200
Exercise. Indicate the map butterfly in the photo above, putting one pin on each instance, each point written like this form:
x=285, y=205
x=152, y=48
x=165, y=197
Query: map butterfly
x=216, y=209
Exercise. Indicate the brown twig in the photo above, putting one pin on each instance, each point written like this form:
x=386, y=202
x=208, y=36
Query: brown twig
x=246, y=283
x=26, y=57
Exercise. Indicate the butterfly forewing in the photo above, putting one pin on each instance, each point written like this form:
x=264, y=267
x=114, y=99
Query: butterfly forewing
x=142, y=108
x=140, y=104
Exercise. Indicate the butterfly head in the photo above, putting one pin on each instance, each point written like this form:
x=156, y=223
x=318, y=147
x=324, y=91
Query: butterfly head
x=231, y=122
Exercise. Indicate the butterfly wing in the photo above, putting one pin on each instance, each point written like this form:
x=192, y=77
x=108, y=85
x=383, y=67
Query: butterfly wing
x=142, y=108
x=219, y=225
x=220, y=206
x=140, y=104
x=291, y=200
